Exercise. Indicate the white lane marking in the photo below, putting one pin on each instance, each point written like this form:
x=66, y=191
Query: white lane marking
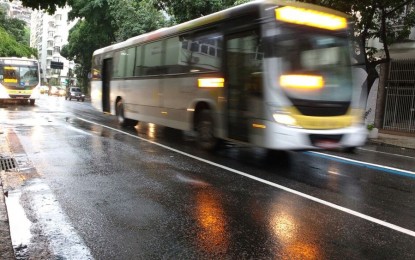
x=19, y=223
x=63, y=238
x=394, y=154
x=306, y=196
x=365, y=163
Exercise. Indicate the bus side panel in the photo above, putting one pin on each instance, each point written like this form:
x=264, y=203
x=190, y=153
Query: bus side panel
x=142, y=98
x=96, y=94
x=182, y=94
x=178, y=92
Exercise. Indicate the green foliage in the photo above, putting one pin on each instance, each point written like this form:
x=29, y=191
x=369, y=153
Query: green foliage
x=14, y=37
x=370, y=127
x=185, y=10
x=82, y=42
x=14, y=27
x=105, y=22
x=47, y=5
x=10, y=47
x=132, y=18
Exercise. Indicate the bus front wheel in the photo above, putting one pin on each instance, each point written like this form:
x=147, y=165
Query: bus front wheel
x=32, y=102
x=205, y=131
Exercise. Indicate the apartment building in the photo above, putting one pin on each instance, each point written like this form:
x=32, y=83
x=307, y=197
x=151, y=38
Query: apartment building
x=48, y=34
x=16, y=10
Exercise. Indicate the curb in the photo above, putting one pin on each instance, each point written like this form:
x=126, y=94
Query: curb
x=388, y=144
x=6, y=247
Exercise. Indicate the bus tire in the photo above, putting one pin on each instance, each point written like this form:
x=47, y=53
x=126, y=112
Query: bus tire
x=351, y=149
x=205, y=131
x=32, y=102
x=119, y=112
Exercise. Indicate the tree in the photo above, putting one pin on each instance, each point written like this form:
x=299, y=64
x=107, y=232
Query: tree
x=132, y=18
x=13, y=27
x=104, y=22
x=10, y=47
x=13, y=38
x=47, y=5
x=388, y=20
x=82, y=42
x=185, y=10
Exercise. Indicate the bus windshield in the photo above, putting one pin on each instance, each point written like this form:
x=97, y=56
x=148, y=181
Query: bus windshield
x=310, y=53
x=19, y=77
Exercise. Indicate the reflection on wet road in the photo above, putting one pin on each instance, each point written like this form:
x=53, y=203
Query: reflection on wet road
x=148, y=192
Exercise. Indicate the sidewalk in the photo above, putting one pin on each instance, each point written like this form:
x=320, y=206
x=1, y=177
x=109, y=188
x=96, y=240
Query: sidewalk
x=6, y=248
x=393, y=140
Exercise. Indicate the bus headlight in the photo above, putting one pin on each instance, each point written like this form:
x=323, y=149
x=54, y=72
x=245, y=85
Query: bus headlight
x=285, y=119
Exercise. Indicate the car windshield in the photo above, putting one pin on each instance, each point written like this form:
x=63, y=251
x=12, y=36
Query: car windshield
x=76, y=89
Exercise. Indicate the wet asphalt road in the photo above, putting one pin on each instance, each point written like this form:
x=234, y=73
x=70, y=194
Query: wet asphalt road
x=149, y=193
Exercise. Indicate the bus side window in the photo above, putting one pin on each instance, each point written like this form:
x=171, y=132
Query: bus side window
x=173, y=64
x=129, y=69
x=138, y=70
x=201, y=52
x=120, y=60
x=153, y=53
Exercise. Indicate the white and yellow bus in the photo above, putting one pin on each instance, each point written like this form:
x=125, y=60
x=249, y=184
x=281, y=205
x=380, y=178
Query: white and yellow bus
x=268, y=73
x=19, y=79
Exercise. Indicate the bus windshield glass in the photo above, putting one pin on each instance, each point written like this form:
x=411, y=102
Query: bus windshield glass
x=19, y=76
x=314, y=65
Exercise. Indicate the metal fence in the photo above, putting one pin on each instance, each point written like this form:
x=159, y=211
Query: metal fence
x=400, y=97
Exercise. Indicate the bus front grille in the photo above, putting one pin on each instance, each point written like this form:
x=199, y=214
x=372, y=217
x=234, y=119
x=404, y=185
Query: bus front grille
x=19, y=96
x=321, y=108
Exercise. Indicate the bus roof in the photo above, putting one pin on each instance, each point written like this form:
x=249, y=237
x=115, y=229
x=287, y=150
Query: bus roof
x=17, y=58
x=210, y=19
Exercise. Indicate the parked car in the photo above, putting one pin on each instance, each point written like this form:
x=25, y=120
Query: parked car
x=74, y=93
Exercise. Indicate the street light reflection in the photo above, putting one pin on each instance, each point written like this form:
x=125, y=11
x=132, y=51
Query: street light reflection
x=151, y=131
x=212, y=222
x=296, y=238
x=148, y=129
x=284, y=227
x=333, y=180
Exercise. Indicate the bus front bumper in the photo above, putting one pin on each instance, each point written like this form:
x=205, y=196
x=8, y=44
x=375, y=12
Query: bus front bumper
x=280, y=137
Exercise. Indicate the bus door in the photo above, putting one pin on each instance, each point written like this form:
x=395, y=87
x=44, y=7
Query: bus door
x=243, y=73
x=106, y=79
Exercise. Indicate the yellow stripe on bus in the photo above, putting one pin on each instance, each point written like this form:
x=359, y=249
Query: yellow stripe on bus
x=322, y=122
x=19, y=92
x=10, y=80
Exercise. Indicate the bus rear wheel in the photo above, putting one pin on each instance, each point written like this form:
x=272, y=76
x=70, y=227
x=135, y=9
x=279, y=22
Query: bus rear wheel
x=205, y=131
x=119, y=112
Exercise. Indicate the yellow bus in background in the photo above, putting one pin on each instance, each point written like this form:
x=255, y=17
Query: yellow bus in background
x=19, y=79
